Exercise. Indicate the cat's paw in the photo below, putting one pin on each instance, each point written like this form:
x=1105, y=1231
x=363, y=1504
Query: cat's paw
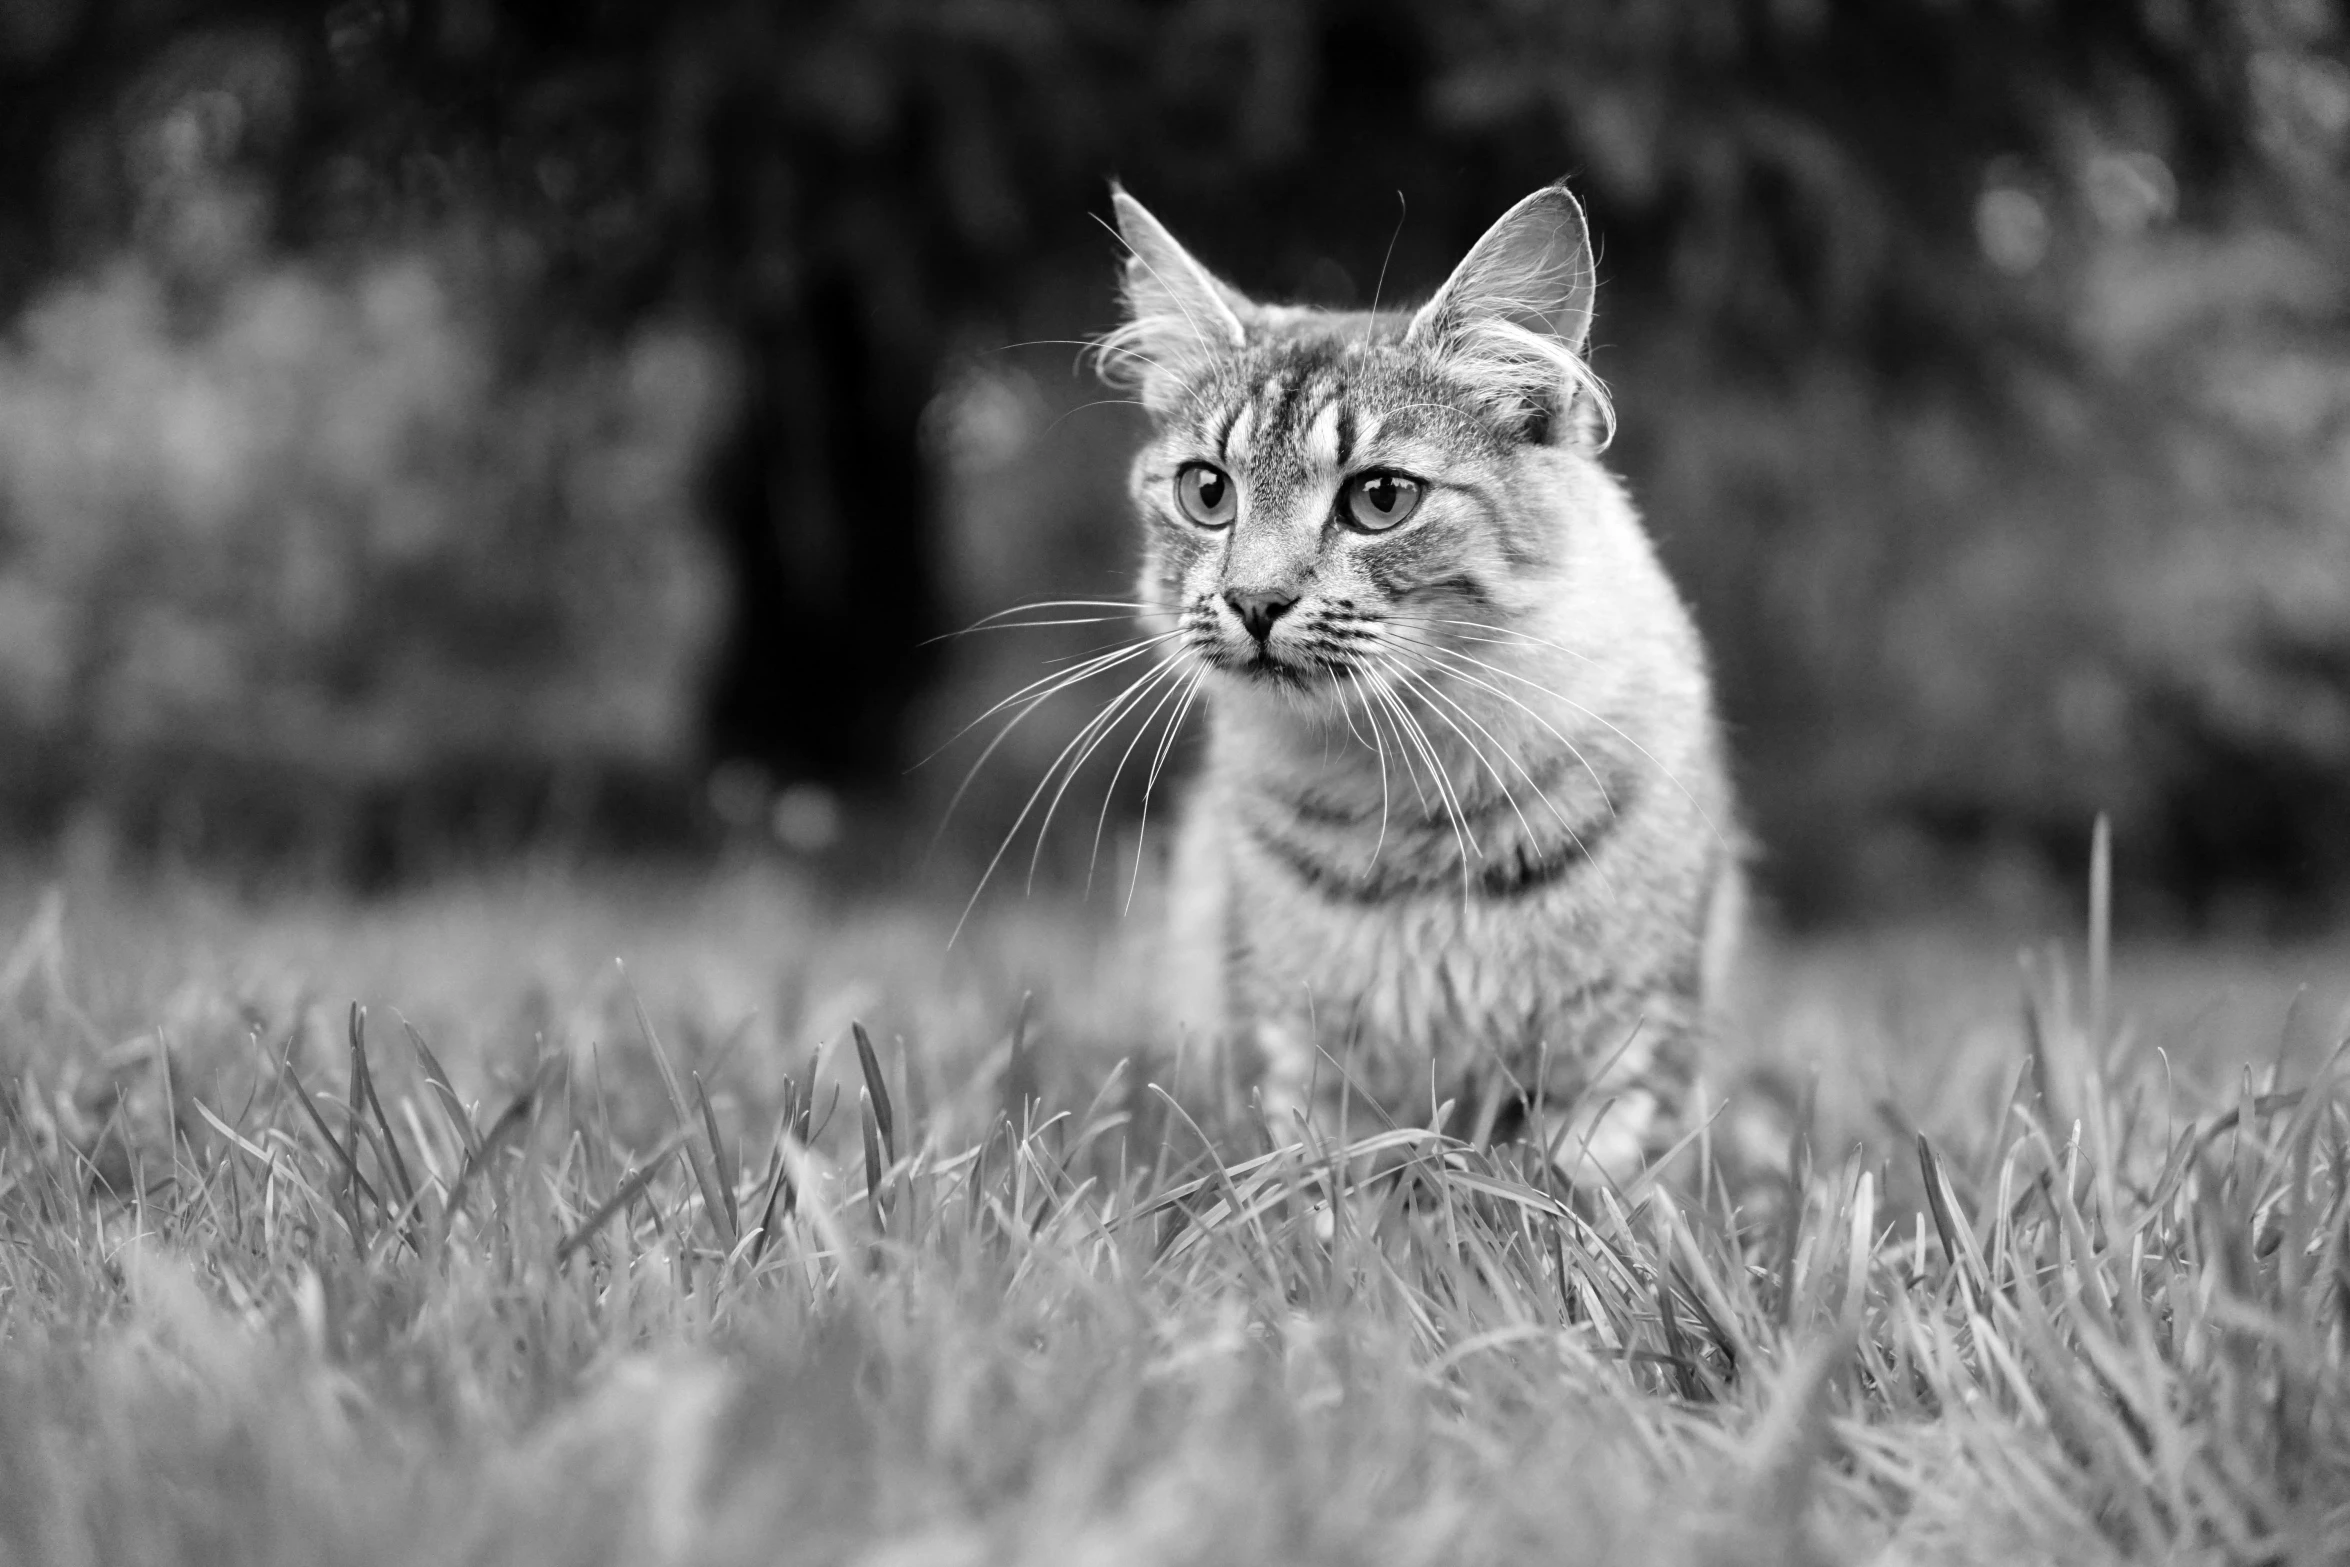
x=1605, y=1140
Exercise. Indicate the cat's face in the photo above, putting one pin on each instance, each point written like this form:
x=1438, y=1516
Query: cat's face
x=1325, y=496
x=1324, y=487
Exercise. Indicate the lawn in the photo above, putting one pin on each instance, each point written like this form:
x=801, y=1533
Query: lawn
x=643, y=1218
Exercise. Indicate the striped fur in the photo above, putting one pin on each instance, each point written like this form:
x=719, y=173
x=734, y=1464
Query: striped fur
x=1464, y=831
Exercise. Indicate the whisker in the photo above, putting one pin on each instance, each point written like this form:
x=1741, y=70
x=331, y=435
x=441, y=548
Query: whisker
x=1106, y=656
x=1437, y=695
x=1512, y=633
x=1356, y=675
x=1022, y=625
x=1166, y=745
x=1057, y=684
x=1403, y=754
x=1022, y=609
x=1646, y=755
x=1516, y=761
x=1449, y=788
x=1064, y=658
x=1402, y=210
x=1445, y=792
x=1378, y=745
x=1464, y=836
x=1033, y=796
x=1058, y=681
x=1107, y=721
x=1429, y=690
x=1099, y=402
x=1573, y=750
x=1109, y=794
x=1581, y=761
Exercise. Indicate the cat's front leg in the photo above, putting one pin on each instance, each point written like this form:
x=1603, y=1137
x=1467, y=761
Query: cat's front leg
x=1605, y=1139
x=1604, y=1129
x=1285, y=1079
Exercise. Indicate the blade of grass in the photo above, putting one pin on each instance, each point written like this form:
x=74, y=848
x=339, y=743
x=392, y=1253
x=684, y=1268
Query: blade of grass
x=436, y=1077
x=235, y=1138
x=1261, y=1254
x=719, y=1156
x=507, y=1129
x=627, y=1192
x=2100, y=930
x=355, y=1182
x=868, y=1128
x=1861, y=1248
x=355, y=1111
x=1682, y=1359
x=1965, y=1265
x=363, y=1081
x=883, y=1117
x=2195, y=1140
x=778, y=1186
x=1017, y=1088
x=700, y=1151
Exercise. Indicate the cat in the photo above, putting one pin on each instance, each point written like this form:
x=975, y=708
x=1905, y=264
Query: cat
x=1464, y=831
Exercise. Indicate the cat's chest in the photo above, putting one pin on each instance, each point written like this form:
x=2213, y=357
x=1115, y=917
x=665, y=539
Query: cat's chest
x=1427, y=967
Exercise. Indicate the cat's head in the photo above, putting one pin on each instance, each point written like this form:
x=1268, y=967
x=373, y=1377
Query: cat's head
x=1324, y=491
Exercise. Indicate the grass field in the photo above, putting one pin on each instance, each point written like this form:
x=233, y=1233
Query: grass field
x=1981, y=1261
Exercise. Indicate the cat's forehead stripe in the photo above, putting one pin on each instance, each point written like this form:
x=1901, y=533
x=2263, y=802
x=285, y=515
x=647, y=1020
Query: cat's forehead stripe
x=1227, y=426
x=1300, y=404
x=1239, y=433
x=1261, y=415
x=1280, y=401
x=1322, y=440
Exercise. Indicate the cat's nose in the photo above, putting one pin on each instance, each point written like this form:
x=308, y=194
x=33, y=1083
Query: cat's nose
x=1259, y=608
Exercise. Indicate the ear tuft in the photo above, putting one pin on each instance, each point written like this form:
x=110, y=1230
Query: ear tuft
x=1179, y=317
x=1514, y=317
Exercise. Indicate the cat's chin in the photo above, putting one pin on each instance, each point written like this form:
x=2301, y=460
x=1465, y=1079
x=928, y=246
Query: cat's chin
x=1291, y=687
x=1260, y=669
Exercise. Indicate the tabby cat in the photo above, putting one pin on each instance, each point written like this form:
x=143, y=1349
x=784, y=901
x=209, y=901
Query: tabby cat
x=1464, y=833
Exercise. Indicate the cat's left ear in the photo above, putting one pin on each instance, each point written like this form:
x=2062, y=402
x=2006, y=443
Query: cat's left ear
x=1533, y=269
x=1179, y=317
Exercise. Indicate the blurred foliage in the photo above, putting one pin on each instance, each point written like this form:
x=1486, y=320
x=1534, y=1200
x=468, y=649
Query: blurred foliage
x=1983, y=364
x=315, y=548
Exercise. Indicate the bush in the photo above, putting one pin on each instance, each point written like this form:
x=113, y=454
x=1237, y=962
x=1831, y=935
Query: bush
x=273, y=556
x=1954, y=623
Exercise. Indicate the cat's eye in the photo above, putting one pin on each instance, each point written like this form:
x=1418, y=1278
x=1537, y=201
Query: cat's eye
x=1376, y=502
x=1205, y=494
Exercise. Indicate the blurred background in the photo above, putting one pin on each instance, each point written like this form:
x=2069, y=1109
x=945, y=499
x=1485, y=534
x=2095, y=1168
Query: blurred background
x=440, y=430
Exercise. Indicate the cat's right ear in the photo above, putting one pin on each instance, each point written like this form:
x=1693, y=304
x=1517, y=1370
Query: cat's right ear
x=1179, y=317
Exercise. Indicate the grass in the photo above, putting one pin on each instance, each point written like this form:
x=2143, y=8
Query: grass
x=802, y=1238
